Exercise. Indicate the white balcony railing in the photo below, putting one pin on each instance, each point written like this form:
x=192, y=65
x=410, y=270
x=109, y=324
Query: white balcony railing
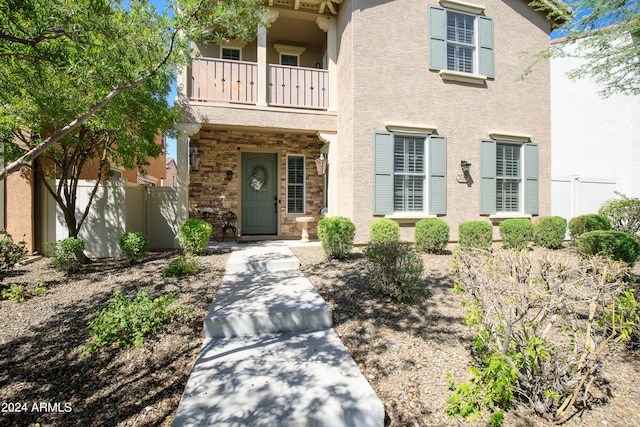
x=298, y=87
x=223, y=80
x=237, y=81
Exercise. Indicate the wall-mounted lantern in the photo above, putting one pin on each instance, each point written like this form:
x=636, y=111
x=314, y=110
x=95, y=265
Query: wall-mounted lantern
x=465, y=176
x=229, y=175
x=321, y=164
x=195, y=159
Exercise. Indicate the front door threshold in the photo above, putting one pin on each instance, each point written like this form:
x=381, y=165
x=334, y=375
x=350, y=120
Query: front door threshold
x=259, y=237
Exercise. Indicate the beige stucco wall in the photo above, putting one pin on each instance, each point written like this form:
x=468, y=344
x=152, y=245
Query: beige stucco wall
x=384, y=77
x=221, y=151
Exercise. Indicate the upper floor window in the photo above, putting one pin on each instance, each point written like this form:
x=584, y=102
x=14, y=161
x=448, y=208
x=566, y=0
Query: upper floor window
x=290, y=60
x=461, y=43
x=231, y=53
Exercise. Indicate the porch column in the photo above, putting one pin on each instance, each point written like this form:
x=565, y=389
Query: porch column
x=331, y=191
x=328, y=25
x=185, y=130
x=263, y=88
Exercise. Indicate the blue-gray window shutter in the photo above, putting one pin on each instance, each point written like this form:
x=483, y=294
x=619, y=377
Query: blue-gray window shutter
x=487, y=177
x=383, y=173
x=437, y=175
x=437, y=38
x=486, y=59
x=531, y=186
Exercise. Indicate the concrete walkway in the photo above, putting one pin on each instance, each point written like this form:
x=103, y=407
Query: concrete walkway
x=270, y=356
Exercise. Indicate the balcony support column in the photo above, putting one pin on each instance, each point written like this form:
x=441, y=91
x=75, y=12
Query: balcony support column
x=269, y=18
x=185, y=130
x=328, y=25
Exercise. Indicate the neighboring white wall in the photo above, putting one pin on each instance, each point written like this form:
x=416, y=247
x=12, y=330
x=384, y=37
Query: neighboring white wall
x=595, y=142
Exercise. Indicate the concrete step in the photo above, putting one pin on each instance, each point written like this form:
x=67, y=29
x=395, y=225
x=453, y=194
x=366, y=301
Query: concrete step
x=258, y=302
x=294, y=379
x=271, y=257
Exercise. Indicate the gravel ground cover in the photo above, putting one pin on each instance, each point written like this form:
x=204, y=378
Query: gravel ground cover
x=405, y=350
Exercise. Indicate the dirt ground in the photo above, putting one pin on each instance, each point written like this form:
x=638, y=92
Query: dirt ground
x=405, y=350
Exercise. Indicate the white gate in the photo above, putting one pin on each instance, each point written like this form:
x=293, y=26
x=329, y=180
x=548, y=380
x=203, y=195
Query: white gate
x=574, y=195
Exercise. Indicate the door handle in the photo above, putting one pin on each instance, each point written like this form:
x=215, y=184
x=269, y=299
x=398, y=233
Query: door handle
x=275, y=205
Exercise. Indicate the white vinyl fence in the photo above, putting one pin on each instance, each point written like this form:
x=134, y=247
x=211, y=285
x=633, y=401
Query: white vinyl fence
x=575, y=195
x=120, y=207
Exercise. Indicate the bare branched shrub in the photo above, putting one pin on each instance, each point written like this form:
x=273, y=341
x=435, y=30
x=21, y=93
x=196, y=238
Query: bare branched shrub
x=544, y=328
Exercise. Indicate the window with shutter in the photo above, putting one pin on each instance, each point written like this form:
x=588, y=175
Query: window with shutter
x=461, y=41
x=410, y=174
x=295, y=184
x=508, y=178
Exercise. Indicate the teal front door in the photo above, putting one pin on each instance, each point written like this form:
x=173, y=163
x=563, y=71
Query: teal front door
x=259, y=193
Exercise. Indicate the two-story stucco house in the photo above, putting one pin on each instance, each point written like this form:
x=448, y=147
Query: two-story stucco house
x=369, y=108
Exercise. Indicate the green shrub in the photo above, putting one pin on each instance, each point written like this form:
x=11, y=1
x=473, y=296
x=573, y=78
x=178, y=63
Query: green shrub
x=431, y=235
x=394, y=268
x=19, y=293
x=549, y=231
x=336, y=235
x=475, y=234
x=585, y=223
x=516, y=233
x=613, y=244
x=134, y=246
x=10, y=253
x=67, y=255
x=194, y=236
x=125, y=322
x=181, y=266
x=384, y=230
x=622, y=213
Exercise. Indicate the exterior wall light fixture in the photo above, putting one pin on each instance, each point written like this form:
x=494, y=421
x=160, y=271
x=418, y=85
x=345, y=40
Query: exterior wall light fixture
x=465, y=176
x=195, y=159
x=229, y=175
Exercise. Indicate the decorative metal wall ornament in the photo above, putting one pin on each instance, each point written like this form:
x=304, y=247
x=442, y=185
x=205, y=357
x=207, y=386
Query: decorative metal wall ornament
x=258, y=179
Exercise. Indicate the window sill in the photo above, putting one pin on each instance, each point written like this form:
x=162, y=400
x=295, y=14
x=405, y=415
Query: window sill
x=498, y=218
x=468, y=78
x=409, y=218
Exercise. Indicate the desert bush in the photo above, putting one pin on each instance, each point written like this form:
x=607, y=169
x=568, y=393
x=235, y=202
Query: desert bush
x=10, y=253
x=384, y=230
x=585, y=223
x=516, y=233
x=125, y=322
x=542, y=328
x=612, y=244
x=181, y=266
x=19, y=293
x=336, y=235
x=622, y=213
x=134, y=246
x=67, y=254
x=431, y=235
x=394, y=268
x=194, y=235
x=475, y=234
x=549, y=231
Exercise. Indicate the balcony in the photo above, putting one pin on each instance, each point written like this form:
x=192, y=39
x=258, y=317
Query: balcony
x=220, y=80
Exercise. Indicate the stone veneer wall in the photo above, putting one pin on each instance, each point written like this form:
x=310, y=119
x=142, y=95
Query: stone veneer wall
x=221, y=151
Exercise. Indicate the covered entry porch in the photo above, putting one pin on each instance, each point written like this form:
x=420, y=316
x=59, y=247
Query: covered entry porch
x=268, y=179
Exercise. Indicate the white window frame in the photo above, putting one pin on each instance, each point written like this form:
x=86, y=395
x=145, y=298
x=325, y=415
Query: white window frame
x=289, y=50
x=293, y=56
x=304, y=184
x=425, y=175
x=520, y=179
x=229, y=48
x=474, y=61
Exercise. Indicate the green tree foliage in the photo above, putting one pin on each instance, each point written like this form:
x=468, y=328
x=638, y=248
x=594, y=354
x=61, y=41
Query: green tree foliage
x=86, y=81
x=612, y=48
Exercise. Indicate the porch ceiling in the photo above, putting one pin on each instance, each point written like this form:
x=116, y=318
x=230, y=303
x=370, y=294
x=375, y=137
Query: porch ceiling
x=316, y=6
